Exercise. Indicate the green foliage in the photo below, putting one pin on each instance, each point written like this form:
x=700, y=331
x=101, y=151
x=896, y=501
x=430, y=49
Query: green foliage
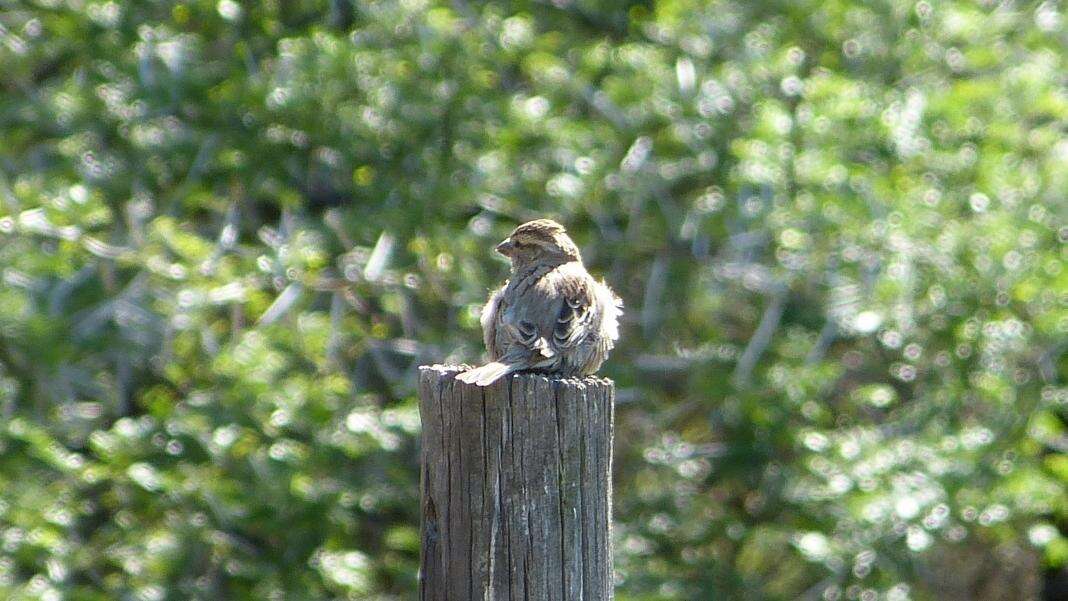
x=230, y=231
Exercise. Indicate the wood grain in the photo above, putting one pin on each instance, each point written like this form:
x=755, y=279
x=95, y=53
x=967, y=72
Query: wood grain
x=516, y=488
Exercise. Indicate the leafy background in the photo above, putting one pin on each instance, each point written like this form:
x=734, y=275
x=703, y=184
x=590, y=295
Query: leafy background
x=230, y=231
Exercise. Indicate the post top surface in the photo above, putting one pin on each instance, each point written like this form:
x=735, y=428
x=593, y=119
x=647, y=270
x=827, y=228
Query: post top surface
x=452, y=370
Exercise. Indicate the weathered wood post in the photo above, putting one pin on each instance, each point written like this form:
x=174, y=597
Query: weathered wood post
x=517, y=491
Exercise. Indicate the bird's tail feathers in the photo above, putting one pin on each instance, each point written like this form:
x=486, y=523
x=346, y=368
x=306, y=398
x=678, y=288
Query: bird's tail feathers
x=488, y=373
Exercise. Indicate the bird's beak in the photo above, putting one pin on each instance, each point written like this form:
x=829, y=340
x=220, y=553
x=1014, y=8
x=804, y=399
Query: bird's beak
x=505, y=247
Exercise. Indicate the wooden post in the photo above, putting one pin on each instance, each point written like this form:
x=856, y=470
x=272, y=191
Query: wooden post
x=517, y=491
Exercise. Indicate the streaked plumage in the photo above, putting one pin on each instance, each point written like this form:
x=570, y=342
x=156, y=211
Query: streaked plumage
x=551, y=315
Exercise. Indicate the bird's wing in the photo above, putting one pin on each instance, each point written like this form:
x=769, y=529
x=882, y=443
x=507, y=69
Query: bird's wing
x=577, y=314
x=529, y=343
x=514, y=345
x=489, y=320
x=577, y=317
x=587, y=325
x=525, y=317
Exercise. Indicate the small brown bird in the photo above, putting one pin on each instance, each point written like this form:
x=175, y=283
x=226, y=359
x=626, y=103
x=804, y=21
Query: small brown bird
x=551, y=315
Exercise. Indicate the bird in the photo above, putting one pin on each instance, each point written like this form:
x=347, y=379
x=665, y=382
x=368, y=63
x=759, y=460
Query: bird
x=551, y=315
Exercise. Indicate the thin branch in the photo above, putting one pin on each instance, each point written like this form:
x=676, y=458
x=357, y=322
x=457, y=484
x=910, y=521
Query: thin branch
x=652, y=305
x=761, y=338
x=826, y=337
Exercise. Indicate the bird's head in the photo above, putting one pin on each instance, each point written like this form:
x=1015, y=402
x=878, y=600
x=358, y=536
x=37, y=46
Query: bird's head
x=541, y=240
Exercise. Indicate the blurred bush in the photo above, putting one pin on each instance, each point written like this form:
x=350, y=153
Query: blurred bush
x=229, y=232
